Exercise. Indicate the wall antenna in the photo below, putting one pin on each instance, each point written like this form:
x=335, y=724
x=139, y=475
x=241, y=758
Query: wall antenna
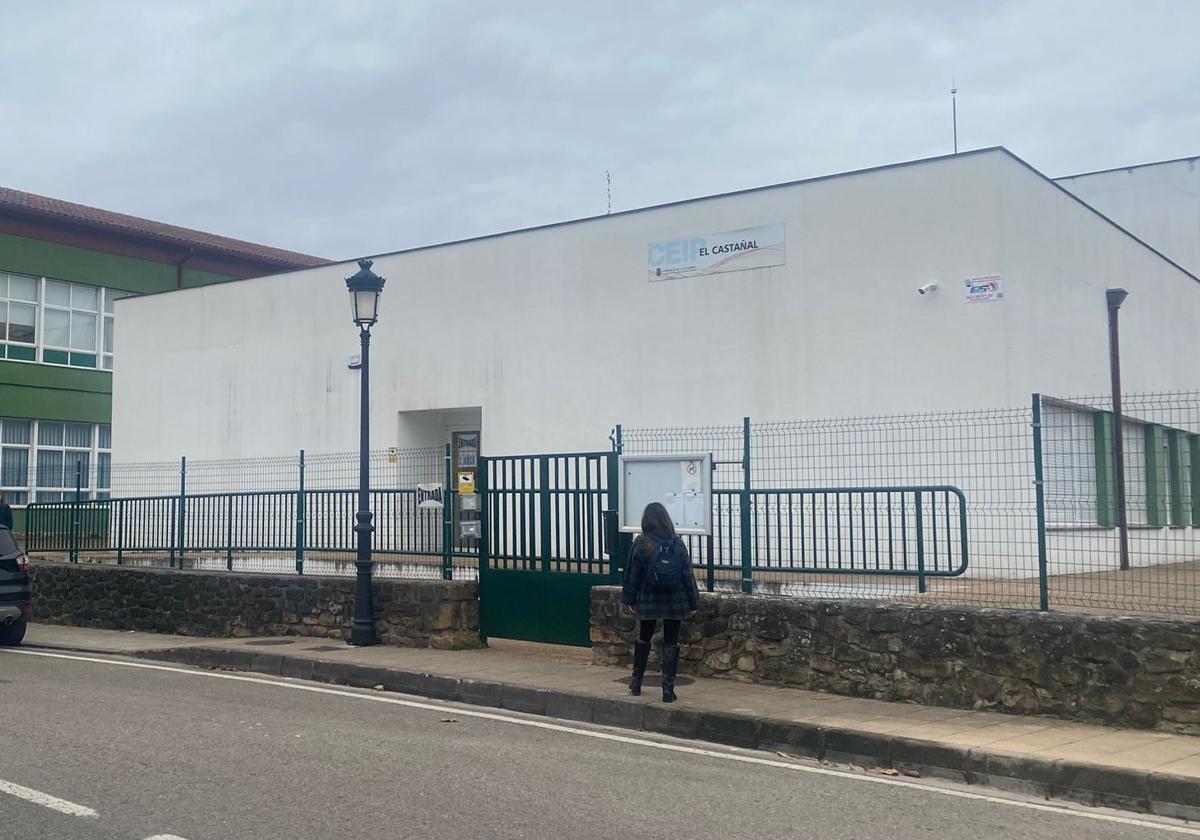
x=954, y=112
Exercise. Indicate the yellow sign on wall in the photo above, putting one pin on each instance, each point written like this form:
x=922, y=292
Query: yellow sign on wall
x=466, y=481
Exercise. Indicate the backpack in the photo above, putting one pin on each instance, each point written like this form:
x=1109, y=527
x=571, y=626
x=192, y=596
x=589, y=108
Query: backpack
x=664, y=572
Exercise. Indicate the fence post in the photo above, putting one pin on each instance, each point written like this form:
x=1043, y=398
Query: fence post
x=448, y=521
x=921, y=587
x=300, y=520
x=1039, y=483
x=484, y=548
x=229, y=501
x=747, y=574
x=710, y=577
x=75, y=511
x=179, y=534
x=120, y=529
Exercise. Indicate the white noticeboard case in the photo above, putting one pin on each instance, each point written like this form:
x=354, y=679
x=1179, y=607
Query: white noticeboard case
x=680, y=482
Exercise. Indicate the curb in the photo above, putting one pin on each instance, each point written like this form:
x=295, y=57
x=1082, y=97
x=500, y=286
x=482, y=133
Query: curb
x=1163, y=794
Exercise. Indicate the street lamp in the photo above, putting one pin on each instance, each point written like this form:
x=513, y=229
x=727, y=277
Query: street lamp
x=365, y=287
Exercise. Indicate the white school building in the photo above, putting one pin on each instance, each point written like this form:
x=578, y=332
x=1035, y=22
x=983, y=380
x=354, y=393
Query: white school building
x=950, y=284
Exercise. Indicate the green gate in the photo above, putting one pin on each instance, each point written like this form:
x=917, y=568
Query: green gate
x=547, y=523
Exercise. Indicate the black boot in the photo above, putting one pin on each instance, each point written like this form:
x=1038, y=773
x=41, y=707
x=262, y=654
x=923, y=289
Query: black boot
x=670, y=665
x=641, y=655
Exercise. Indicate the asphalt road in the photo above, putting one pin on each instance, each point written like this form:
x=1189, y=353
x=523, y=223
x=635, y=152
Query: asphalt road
x=160, y=751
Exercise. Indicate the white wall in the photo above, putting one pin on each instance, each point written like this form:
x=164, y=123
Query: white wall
x=1158, y=202
x=557, y=334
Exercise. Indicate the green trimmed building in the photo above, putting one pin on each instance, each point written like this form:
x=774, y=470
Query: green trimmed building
x=62, y=266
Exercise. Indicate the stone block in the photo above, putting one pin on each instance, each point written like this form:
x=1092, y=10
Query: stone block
x=671, y=720
x=518, y=698
x=628, y=714
x=930, y=759
x=1115, y=787
x=568, y=706
x=1014, y=772
x=730, y=729
x=298, y=667
x=439, y=687
x=1173, y=796
x=792, y=738
x=266, y=663
x=845, y=746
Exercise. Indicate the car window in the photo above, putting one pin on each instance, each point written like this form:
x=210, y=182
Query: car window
x=8, y=545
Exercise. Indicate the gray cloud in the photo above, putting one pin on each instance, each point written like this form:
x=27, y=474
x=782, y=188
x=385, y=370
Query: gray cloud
x=358, y=127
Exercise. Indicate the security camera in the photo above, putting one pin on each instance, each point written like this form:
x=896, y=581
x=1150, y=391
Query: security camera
x=927, y=288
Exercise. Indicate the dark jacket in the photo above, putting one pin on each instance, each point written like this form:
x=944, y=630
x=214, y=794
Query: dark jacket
x=653, y=605
x=6, y=517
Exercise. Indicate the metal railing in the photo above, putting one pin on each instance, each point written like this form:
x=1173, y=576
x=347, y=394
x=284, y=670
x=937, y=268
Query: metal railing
x=916, y=532
x=888, y=531
x=301, y=523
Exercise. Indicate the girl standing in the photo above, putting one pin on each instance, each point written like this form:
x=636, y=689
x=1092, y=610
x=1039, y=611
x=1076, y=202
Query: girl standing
x=659, y=586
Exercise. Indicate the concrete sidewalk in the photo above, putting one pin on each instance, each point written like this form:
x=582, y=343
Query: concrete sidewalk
x=1147, y=771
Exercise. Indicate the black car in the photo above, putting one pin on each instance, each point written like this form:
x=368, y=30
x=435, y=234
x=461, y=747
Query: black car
x=16, y=602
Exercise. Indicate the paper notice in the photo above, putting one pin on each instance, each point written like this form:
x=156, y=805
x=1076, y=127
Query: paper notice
x=674, y=503
x=693, y=510
x=690, y=481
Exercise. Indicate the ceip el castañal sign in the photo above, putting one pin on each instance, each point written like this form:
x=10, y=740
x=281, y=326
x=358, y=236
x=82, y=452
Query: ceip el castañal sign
x=714, y=253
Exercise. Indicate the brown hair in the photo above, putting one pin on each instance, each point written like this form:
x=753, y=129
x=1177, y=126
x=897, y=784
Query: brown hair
x=656, y=520
x=3, y=498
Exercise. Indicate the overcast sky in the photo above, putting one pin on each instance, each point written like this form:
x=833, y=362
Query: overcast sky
x=354, y=127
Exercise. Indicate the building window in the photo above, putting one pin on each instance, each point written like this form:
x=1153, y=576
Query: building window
x=1136, y=498
x=104, y=463
x=70, y=326
x=55, y=322
x=1069, y=464
x=38, y=460
x=18, y=317
x=106, y=340
x=15, y=437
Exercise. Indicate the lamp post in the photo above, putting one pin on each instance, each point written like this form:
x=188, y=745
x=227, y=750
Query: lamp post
x=1114, y=298
x=365, y=287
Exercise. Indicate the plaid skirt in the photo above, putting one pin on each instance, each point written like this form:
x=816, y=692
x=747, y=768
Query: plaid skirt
x=655, y=605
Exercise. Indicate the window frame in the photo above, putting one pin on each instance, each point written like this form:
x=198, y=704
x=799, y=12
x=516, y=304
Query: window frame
x=100, y=354
x=98, y=483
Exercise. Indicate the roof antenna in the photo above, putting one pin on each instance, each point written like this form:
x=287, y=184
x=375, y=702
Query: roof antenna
x=954, y=111
x=608, y=179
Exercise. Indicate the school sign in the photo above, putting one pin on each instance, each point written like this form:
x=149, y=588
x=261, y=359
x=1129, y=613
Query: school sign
x=714, y=253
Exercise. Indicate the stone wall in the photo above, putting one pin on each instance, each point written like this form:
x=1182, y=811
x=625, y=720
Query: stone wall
x=1126, y=671
x=412, y=613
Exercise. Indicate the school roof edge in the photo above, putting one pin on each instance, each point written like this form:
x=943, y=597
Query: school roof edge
x=815, y=179
x=1131, y=166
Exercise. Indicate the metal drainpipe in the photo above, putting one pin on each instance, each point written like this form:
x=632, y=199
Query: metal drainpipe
x=179, y=267
x=1114, y=298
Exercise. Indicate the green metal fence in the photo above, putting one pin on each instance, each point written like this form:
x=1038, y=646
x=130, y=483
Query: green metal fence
x=1011, y=508
x=269, y=530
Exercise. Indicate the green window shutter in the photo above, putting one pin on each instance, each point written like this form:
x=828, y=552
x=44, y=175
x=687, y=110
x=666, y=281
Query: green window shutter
x=1194, y=476
x=1177, y=457
x=1102, y=424
x=1156, y=476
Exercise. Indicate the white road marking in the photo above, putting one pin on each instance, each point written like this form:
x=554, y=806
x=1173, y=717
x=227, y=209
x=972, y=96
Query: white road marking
x=627, y=739
x=46, y=800
x=166, y=837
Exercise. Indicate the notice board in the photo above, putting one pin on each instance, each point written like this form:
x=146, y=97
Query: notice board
x=681, y=482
